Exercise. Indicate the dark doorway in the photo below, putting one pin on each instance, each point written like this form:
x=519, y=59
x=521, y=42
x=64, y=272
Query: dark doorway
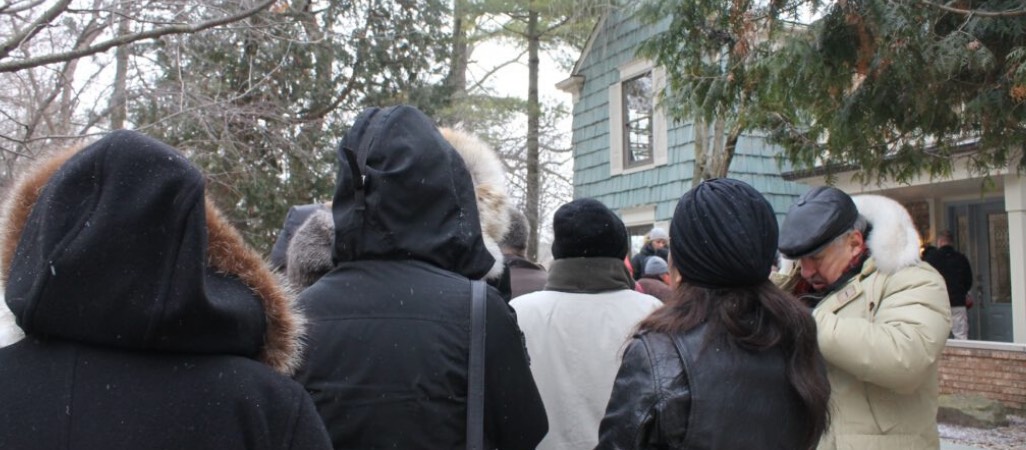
x=981, y=233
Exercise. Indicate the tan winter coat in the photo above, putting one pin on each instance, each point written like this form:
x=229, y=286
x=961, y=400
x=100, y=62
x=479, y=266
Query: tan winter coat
x=882, y=335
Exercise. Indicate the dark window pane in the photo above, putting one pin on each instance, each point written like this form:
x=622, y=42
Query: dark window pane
x=638, y=96
x=1000, y=274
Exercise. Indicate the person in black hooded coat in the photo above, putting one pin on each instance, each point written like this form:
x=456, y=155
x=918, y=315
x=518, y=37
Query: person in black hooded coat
x=390, y=325
x=149, y=323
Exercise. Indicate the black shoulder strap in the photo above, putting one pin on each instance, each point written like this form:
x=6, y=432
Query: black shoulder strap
x=475, y=376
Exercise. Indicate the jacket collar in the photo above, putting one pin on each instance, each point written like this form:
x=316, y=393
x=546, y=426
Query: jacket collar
x=861, y=267
x=516, y=261
x=846, y=290
x=588, y=275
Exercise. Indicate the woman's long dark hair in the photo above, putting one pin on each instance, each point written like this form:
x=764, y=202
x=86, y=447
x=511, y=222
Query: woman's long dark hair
x=756, y=318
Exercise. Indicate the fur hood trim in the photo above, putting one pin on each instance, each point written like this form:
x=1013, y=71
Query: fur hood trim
x=309, y=252
x=893, y=242
x=9, y=331
x=227, y=253
x=489, y=177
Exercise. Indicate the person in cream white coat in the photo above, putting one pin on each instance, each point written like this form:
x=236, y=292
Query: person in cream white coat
x=882, y=316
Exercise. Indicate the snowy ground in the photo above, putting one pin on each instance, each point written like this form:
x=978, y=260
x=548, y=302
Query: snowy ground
x=1012, y=437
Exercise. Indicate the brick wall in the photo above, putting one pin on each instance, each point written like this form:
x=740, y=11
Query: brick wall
x=998, y=374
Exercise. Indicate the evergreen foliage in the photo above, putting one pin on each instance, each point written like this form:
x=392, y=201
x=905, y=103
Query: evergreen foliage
x=523, y=131
x=893, y=88
x=261, y=106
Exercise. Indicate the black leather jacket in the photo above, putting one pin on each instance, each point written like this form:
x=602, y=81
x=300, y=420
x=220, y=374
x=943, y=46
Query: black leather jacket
x=677, y=392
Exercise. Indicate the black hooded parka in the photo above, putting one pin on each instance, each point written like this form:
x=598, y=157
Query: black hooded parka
x=390, y=326
x=149, y=324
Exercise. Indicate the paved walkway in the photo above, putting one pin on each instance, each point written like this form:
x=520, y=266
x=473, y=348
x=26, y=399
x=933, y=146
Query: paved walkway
x=945, y=445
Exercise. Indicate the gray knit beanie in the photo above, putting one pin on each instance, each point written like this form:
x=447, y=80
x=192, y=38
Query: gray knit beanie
x=655, y=265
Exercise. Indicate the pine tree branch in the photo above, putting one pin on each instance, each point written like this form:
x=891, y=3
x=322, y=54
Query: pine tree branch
x=13, y=66
x=557, y=25
x=977, y=12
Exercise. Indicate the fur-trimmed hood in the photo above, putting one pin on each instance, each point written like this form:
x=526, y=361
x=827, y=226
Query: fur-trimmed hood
x=893, y=241
x=403, y=193
x=116, y=245
x=295, y=218
x=9, y=331
x=309, y=251
x=489, y=177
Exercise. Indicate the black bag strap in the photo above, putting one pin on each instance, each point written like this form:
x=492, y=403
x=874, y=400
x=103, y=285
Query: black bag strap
x=475, y=375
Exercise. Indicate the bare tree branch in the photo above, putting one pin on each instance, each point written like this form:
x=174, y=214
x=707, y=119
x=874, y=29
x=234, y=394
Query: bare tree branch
x=9, y=8
x=41, y=22
x=11, y=66
x=483, y=78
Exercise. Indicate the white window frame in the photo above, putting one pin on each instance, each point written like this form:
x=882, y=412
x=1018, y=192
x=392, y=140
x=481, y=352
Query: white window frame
x=638, y=215
x=641, y=216
x=616, y=120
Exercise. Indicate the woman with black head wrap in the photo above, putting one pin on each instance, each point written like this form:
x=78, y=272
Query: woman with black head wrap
x=730, y=361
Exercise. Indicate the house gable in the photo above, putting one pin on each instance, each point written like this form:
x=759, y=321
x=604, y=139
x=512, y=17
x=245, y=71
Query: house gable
x=612, y=47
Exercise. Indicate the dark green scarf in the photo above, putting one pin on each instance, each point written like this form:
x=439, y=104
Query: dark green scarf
x=588, y=275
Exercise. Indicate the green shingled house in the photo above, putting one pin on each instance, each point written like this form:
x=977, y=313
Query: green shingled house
x=627, y=154
x=630, y=157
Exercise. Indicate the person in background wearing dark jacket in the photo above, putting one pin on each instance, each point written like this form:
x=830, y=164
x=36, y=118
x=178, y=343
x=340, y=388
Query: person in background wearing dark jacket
x=656, y=244
x=656, y=281
x=524, y=276
x=149, y=323
x=387, y=357
x=730, y=361
x=958, y=277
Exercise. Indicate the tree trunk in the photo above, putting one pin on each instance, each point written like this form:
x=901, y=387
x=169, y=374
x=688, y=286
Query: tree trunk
x=713, y=154
x=456, y=80
x=701, y=132
x=715, y=167
x=533, y=121
x=119, y=99
x=727, y=155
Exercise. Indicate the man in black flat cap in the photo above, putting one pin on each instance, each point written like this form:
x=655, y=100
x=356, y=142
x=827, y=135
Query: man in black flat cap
x=882, y=316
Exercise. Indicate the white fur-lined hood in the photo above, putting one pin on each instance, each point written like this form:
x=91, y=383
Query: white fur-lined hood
x=893, y=241
x=9, y=331
x=489, y=177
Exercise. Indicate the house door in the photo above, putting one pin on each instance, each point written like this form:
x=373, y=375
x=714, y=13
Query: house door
x=981, y=232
